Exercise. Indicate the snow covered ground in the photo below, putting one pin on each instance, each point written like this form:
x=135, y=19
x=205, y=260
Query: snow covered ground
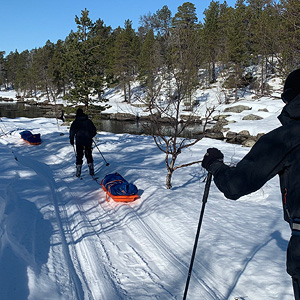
x=61, y=240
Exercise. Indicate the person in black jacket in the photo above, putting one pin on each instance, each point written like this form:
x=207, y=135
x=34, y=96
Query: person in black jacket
x=83, y=130
x=275, y=153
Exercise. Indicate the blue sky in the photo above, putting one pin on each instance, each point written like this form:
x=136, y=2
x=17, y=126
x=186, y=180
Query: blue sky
x=29, y=24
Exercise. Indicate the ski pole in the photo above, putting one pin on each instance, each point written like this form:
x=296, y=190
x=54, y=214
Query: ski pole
x=2, y=128
x=204, y=200
x=107, y=164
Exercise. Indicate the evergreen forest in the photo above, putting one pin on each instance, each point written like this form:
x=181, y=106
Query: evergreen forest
x=165, y=45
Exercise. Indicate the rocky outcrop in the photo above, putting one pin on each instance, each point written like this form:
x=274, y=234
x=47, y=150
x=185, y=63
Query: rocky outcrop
x=123, y=117
x=252, y=117
x=220, y=132
x=243, y=137
x=6, y=99
x=191, y=119
x=237, y=108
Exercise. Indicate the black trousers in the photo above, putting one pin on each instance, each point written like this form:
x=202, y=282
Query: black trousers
x=87, y=151
x=293, y=263
x=296, y=288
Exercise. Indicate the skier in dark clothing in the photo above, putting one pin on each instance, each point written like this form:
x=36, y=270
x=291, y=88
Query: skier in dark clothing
x=83, y=130
x=277, y=152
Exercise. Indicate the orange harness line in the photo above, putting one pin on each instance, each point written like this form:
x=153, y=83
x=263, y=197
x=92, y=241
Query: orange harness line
x=120, y=198
x=284, y=196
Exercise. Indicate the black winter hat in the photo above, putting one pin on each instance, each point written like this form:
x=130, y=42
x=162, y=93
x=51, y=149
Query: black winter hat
x=291, y=86
x=79, y=112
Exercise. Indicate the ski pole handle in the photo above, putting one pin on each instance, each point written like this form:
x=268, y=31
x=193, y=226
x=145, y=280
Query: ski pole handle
x=207, y=186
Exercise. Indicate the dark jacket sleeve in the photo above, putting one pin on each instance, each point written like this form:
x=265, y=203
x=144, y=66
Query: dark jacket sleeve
x=264, y=161
x=72, y=132
x=93, y=130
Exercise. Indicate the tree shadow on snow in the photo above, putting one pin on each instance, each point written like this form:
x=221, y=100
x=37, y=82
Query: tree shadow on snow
x=194, y=177
x=281, y=243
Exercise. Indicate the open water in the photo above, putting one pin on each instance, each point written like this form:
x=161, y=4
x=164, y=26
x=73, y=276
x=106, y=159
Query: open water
x=16, y=110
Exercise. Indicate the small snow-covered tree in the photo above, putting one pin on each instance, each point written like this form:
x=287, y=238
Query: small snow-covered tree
x=168, y=131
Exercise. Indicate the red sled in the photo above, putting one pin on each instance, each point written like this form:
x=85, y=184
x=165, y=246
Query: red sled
x=118, y=189
x=129, y=198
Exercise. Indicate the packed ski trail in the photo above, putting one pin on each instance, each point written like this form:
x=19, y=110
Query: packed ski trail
x=65, y=241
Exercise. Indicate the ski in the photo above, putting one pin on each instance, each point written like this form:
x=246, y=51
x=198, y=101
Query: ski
x=93, y=177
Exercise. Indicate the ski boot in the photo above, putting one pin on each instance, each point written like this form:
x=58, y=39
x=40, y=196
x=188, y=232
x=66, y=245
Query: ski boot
x=78, y=170
x=91, y=168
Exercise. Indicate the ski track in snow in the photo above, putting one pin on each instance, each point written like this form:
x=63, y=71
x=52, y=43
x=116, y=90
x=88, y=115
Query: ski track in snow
x=166, y=251
x=41, y=169
x=70, y=236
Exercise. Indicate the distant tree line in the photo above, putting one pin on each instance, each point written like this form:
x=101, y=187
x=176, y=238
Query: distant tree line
x=165, y=48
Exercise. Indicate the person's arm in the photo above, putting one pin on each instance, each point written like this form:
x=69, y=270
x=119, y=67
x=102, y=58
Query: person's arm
x=72, y=133
x=264, y=161
x=93, y=129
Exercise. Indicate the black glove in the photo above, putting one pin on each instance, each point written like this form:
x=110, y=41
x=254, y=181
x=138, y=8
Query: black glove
x=211, y=156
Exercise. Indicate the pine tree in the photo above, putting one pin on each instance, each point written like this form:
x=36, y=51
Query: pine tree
x=183, y=59
x=237, y=42
x=149, y=62
x=186, y=16
x=11, y=68
x=224, y=20
x=80, y=64
x=289, y=11
x=86, y=77
x=100, y=38
x=22, y=75
x=126, y=54
x=161, y=23
x=211, y=36
x=263, y=29
x=34, y=78
x=2, y=70
x=42, y=59
x=109, y=57
x=58, y=68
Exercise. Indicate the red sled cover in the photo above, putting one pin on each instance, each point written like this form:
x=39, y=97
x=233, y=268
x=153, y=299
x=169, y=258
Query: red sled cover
x=32, y=139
